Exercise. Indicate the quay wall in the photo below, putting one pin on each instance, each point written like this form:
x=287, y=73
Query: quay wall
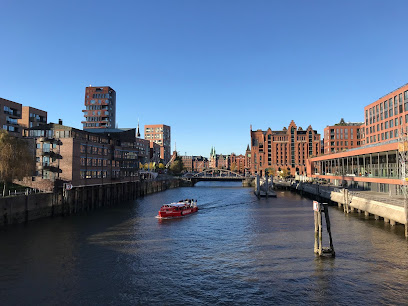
x=390, y=213
x=23, y=208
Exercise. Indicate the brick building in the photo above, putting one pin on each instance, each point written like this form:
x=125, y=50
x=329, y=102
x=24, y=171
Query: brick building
x=237, y=163
x=32, y=117
x=343, y=136
x=373, y=166
x=286, y=149
x=384, y=117
x=194, y=163
x=200, y=163
x=154, y=152
x=14, y=117
x=84, y=158
x=10, y=113
x=248, y=160
x=100, y=108
x=218, y=161
x=188, y=162
x=160, y=134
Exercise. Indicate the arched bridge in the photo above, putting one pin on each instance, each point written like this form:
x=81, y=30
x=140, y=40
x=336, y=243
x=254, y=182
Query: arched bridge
x=215, y=175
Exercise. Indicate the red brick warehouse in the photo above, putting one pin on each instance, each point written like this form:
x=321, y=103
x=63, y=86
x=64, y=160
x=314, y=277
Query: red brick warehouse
x=286, y=149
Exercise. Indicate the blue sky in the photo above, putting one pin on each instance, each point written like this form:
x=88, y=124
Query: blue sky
x=208, y=69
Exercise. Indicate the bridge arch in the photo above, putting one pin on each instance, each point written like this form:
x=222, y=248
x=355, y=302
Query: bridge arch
x=218, y=173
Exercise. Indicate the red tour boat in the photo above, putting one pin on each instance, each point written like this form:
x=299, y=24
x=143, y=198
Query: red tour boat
x=178, y=210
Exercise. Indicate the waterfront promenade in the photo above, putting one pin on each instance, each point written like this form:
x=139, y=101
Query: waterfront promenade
x=379, y=205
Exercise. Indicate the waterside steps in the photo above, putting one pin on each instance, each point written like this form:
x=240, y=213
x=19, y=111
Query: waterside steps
x=318, y=209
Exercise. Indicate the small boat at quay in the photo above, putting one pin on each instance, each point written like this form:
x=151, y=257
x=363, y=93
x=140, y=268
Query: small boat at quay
x=177, y=210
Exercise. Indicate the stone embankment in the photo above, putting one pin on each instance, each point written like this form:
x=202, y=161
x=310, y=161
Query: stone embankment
x=23, y=208
x=381, y=206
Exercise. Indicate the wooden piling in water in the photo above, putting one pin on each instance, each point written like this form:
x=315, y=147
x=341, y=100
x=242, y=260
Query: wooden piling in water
x=320, y=208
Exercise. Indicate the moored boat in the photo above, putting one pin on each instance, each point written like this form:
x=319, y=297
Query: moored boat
x=177, y=210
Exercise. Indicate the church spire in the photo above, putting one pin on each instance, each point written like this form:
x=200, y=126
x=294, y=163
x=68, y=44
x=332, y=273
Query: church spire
x=138, y=130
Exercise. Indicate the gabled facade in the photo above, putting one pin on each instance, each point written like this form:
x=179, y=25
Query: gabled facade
x=286, y=149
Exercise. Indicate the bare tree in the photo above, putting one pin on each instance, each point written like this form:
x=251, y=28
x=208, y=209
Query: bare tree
x=403, y=159
x=16, y=162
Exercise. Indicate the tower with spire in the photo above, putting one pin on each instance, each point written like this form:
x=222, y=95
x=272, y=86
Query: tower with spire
x=213, y=158
x=138, y=130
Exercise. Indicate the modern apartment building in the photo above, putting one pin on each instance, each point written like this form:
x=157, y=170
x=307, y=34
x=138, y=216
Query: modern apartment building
x=375, y=165
x=154, y=152
x=286, y=149
x=343, y=136
x=160, y=134
x=385, y=117
x=32, y=117
x=100, y=108
x=14, y=117
x=10, y=113
x=84, y=158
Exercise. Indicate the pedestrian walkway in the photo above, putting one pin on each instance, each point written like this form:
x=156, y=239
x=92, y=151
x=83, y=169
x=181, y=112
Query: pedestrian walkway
x=397, y=200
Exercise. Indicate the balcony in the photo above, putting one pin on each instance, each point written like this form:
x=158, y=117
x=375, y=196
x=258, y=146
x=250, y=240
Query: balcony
x=11, y=122
x=13, y=112
x=50, y=140
x=48, y=167
x=50, y=154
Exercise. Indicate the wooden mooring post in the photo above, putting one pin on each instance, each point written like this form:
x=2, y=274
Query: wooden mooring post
x=257, y=186
x=318, y=209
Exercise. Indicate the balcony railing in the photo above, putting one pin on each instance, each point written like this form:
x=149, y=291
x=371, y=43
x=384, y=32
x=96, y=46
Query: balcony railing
x=14, y=113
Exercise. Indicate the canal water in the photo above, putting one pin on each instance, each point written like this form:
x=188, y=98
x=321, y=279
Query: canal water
x=237, y=250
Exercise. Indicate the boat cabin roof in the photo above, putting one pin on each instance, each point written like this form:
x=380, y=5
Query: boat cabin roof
x=179, y=204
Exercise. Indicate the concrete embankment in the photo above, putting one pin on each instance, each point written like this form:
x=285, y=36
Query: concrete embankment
x=356, y=201
x=23, y=208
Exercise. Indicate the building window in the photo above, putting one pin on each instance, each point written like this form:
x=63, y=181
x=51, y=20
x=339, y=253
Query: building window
x=391, y=107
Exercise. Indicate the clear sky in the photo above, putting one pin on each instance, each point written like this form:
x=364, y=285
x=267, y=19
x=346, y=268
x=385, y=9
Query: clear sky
x=208, y=68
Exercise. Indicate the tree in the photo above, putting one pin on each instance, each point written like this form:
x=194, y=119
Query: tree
x=285, y=173
x=271, y=171
x=403, y=170
x=233, y=167
x=161, y=166
x=177, y=166
x=16, y=161
x=152, y=166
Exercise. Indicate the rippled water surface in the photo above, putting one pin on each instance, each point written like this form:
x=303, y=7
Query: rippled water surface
x=235, y=250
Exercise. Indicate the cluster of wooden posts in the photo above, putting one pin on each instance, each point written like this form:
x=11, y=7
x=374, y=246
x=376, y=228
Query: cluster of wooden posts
x=319, y=209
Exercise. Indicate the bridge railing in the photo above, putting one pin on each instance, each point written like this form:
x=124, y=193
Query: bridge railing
x=218, y=174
